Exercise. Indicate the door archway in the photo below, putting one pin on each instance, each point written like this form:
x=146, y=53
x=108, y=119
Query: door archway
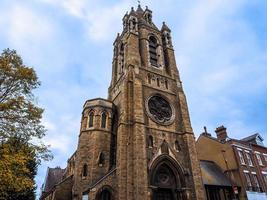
x=166, y=179
x=105, y=193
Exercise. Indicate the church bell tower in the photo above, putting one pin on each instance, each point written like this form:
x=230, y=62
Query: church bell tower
x=155, y=147
x=138, y=144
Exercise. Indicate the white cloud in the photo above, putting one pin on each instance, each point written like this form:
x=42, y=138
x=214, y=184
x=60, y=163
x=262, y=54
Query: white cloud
x=221, y=64
x=61, y=136
x=24, y=26
x=105, y=22
x=101, y=22
x=73, y=7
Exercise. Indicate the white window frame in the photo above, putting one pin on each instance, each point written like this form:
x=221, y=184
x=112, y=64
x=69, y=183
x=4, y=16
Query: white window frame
x=248, y=155
x=256, y=179
x=264, y=177
x=258, y=156
x=241, y=157
x=248, y=179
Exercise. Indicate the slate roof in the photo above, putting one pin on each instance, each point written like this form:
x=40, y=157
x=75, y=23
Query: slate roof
x=53, y=177
x=212, y=174
x=252, y=137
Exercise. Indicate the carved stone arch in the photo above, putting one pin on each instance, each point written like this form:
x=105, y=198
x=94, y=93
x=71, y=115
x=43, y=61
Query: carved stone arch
x=166, y=178
x=105, y=193
x=153, y=36
x=91, y=110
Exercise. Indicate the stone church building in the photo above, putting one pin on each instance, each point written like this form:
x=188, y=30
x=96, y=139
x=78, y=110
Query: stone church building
x=138, y=144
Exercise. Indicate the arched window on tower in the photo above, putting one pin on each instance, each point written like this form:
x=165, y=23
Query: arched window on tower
x=103, y=120
x=101, y=159
x=85, y=170
x=150, y=141
x=91, y=120
x=153, y=51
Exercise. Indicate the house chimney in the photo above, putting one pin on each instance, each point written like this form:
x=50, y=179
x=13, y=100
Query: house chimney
x=206, y=132
x=221, y=133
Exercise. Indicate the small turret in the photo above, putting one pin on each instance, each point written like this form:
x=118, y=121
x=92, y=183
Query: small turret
x=166, y=35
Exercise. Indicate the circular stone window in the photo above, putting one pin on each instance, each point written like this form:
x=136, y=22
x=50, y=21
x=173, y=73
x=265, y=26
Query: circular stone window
x=159, y=109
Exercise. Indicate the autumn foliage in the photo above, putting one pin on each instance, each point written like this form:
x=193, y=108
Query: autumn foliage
x=21, y=131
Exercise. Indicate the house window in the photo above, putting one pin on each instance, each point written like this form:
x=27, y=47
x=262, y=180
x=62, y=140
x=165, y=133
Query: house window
x=265, y=178
x=265, y=157
x=85, y=170
x=241, y=157
x=248, y=179
x=91, y=120
x=258, y=156
x=103, y=120
x=85, y=197
x=249, y=159
x=256, y=181
x=153, y=51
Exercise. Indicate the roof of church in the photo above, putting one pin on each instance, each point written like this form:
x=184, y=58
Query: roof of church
x=53, y=177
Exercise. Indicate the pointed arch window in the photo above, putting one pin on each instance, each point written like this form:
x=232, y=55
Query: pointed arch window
x=101, y=159
x=103, y=120
x=85, y=170
x=153, y=51
x=91, y=120
x=150, y=141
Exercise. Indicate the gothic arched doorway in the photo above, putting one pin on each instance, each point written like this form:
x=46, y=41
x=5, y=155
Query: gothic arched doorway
x=105, y=193
x=166, y=180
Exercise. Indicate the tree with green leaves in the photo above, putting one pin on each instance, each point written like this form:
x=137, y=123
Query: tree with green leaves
x=21, y=131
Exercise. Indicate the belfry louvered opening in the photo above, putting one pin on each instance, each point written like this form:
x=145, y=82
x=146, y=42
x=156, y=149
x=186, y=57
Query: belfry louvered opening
x=153, y=51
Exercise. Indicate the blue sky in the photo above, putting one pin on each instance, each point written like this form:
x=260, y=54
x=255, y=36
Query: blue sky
x=220, y=46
